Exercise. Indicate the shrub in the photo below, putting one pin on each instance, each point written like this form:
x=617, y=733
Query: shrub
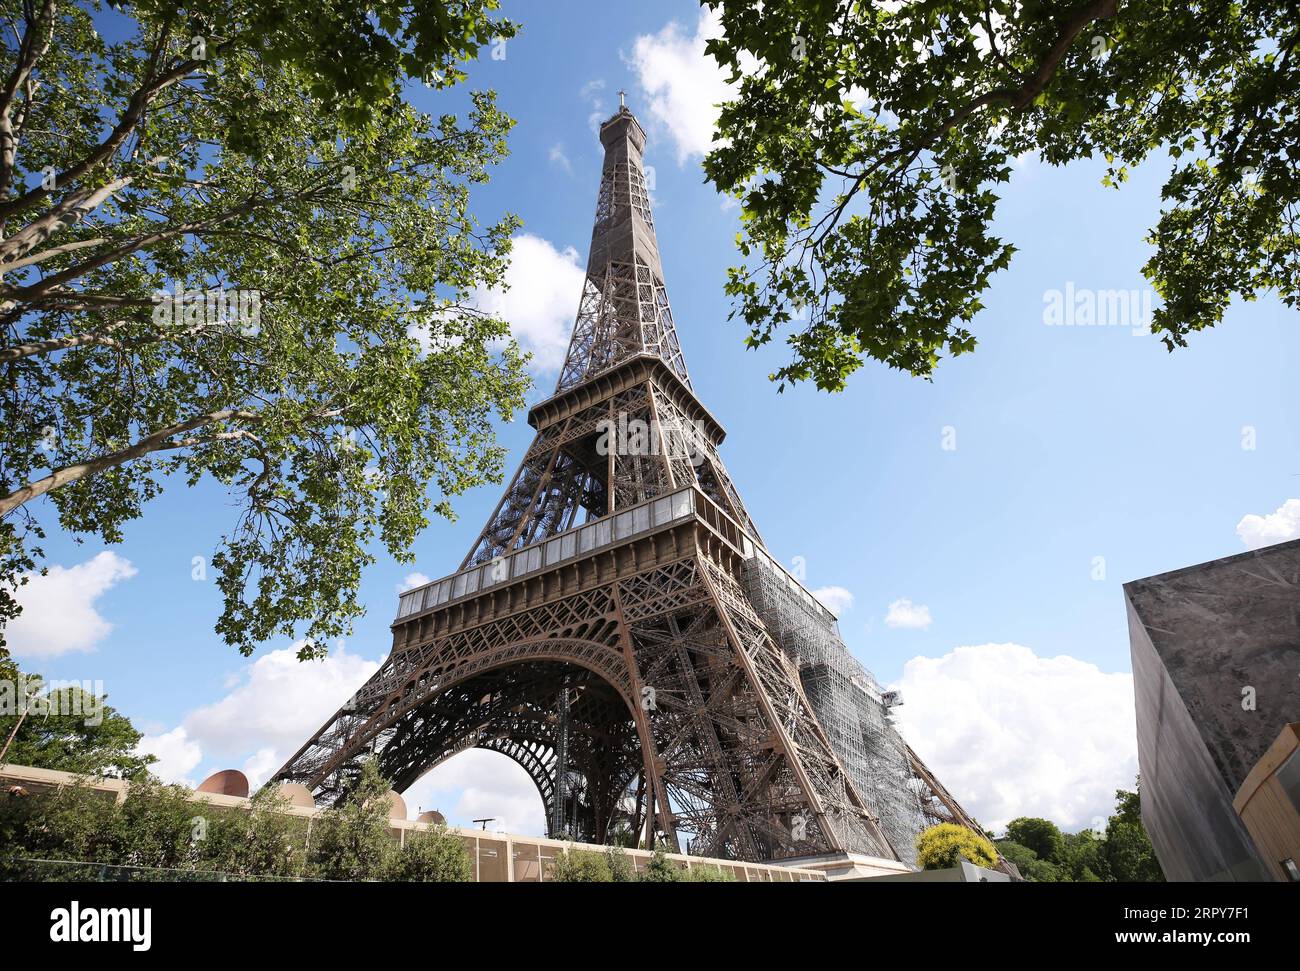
x=352, y=839
x=620, y=866
x=71, y=823
x=947, y=844
x=660, y=869
x=154, y=827
x=433, y=856
x=264, y=840
x=708, y=873
x=580, y=866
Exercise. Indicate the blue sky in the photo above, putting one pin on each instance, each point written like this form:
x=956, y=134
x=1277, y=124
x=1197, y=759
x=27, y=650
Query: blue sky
x=1085, y=456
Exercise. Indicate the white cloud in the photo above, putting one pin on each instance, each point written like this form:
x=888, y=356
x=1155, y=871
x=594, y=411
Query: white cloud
x=683, y=84
x=277, y=704
x=904, y=613
x=558, y=157
x=540, y=300
x=279, y=701
x=59, y=614
x=259, y=766
x=835, y=599
x=1275, y=527
x=593, y=93
x=178, y=754
x=1012, y=734
x=411, y=581
x=478, y=784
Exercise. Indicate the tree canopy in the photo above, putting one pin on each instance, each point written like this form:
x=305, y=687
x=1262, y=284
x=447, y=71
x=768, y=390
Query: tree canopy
x=1042, y=836
x=1128, y=850
x=231, y=251
x=869, y=144
x=1122, y=853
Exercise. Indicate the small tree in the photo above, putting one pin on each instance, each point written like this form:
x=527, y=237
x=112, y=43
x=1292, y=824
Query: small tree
x=434, y=856
x=580, y=866
x=352, y=840
x=947, y=844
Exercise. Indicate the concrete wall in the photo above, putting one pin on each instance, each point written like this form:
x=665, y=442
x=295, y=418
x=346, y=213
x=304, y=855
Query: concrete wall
x=964, y=872
x=1204, y=640
x=1186, y=806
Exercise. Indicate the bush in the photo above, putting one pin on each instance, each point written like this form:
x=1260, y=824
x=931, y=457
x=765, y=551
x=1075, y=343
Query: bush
x=660, y=869
x=947, y=844
x=264, y=840
x=352, y=839
x=72, y=823
x=1027, y=862
x=434, y=856
x=622, y=835
x=708, y=873
x=620, y=866
x=157, y=826
x=580, y=866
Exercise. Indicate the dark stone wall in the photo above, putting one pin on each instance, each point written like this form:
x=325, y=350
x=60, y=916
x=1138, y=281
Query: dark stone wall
x=1199, y=637
x=1186, y=807
x=1222, y=626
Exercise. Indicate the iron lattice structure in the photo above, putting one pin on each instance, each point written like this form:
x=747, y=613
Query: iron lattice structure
x=618, y=629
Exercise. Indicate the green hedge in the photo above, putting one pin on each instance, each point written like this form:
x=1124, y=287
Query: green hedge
x=159, y=827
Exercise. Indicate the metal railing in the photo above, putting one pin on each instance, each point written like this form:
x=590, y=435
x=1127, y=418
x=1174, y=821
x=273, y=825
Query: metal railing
x=606, y=531
x=568, y=545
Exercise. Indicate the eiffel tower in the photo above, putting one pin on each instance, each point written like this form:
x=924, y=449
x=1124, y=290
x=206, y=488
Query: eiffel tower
x=620, y=631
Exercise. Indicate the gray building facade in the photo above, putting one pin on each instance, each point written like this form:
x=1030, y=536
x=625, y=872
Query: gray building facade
x=1216, y=672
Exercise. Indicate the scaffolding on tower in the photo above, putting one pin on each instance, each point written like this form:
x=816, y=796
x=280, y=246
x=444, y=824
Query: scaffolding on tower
x=847, y=700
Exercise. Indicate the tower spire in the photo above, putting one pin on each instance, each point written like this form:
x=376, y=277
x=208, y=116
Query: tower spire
x=624, y=307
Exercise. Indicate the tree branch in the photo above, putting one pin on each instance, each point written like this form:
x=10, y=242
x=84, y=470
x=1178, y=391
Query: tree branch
x=131, y=117
x=153, y=442
x=20, y=351
x=30, y=51
x=1017, y=98
x=50, y=254
x=55, y=280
